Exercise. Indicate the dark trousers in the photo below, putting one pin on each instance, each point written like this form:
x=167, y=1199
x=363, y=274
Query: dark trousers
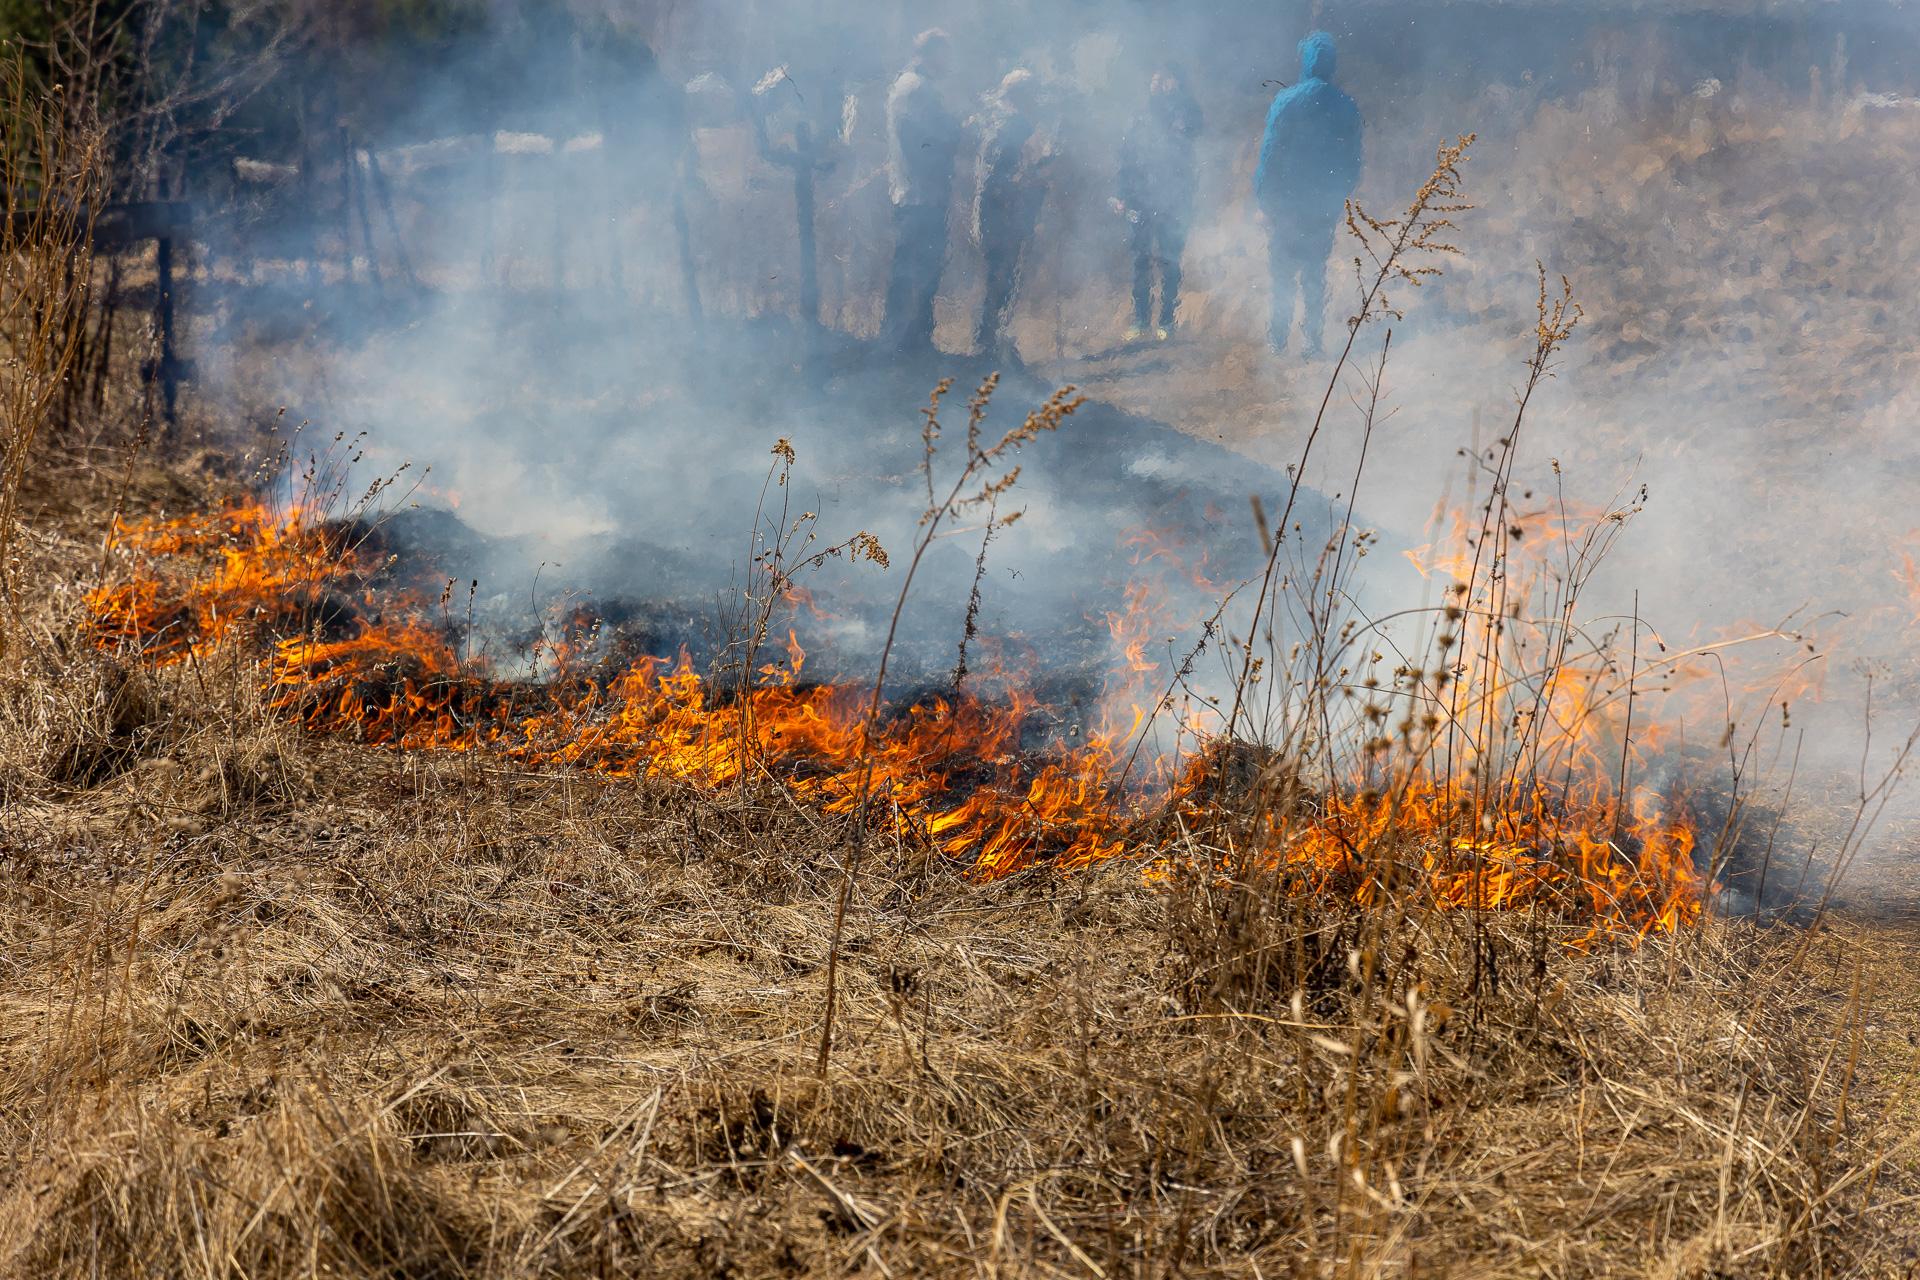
x=1003, y=243
x=1157, y=244
x=1297, y=250
x=919, y=256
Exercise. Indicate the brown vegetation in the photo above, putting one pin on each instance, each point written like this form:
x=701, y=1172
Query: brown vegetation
x=276, y=1007
x=275, y=1004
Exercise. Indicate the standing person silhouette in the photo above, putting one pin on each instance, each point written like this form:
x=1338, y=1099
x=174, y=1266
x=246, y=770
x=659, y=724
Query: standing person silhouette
x=1011, y=187
x=1154, y=193
x=923, y=139
x=1309, y=163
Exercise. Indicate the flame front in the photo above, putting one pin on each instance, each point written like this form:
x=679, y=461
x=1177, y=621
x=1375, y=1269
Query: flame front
x=946, y=773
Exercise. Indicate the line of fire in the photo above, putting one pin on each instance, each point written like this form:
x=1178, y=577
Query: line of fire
x=659, y=200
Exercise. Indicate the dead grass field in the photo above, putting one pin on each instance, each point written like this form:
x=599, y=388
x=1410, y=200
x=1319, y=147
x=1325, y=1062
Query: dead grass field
x=281, y=1006
x=276, y=1006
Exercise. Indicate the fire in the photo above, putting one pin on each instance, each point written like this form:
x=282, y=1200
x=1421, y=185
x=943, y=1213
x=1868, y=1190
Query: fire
x=1643, y=873
x=266, y=573
x=947, y=773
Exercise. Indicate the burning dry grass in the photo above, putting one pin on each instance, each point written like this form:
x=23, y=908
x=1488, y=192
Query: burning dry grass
x=426, y=1016
x=277, y=1004
x=370, y=662
x=444, y=1019
x=280, y=1005
x=548, y=1000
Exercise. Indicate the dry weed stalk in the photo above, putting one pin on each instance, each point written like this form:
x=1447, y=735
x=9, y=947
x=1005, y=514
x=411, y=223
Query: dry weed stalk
x=50, y=180
x=1401, y=250
x=977, y=485
x=781, y=551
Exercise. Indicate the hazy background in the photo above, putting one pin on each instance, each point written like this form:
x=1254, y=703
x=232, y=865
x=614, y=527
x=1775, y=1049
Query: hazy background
x=1727, y=186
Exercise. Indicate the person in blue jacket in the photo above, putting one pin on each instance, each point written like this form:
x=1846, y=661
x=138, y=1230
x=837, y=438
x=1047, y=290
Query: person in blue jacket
x=1309, y=162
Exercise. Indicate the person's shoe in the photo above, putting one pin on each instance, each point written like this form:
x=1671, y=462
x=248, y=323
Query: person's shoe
x=1162, y=333
x=1133, y=334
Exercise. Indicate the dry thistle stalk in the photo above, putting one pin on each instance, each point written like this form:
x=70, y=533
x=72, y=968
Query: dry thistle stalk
x=1399, y=249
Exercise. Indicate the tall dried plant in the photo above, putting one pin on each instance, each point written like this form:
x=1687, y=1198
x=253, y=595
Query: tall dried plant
x=986, y=474
x=50, y=174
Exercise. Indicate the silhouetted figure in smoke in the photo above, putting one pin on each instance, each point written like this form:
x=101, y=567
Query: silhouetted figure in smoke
x=923, y=138
x=806, y=159
x=646, y=140
x=1155, y=195
x=1309, y=162
x=1012, y=186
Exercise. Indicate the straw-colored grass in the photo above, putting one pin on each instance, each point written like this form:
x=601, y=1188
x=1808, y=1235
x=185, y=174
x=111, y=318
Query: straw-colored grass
x=275, y=1007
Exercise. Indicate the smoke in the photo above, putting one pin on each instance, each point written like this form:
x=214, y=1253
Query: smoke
x=600, y=340
x=1725, y=194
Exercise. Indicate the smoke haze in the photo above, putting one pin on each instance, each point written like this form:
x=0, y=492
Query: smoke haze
x=1729, y=193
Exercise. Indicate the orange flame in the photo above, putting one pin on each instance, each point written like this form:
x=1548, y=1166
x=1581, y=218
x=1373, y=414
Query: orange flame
x=950, y=772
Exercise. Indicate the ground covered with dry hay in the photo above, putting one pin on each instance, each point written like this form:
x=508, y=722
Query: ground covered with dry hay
x=277, y=1005
x=274, y=1006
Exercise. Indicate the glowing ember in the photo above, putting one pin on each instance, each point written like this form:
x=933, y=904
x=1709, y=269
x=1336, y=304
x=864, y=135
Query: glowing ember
x=947, y=773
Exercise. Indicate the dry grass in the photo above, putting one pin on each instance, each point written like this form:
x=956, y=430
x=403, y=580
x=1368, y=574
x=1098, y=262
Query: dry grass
x=274, y=1007
x=50, y=161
